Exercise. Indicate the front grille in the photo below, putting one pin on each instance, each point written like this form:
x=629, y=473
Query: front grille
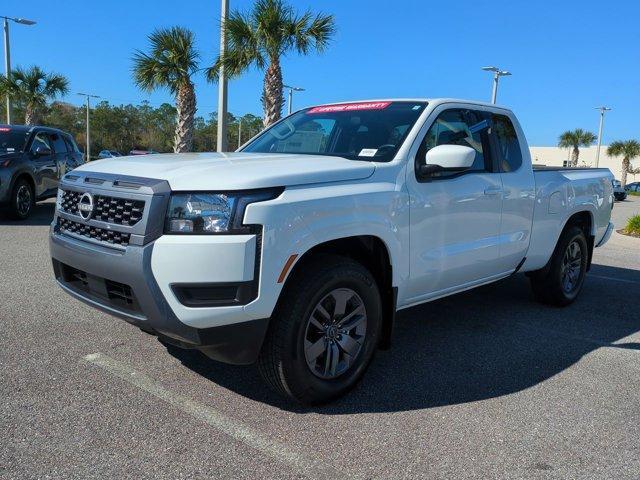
x=89, y=231
x=107, y=292
x=119, y=211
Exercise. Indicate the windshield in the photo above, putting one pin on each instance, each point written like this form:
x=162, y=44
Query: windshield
x=360, y=131
x=12, y=140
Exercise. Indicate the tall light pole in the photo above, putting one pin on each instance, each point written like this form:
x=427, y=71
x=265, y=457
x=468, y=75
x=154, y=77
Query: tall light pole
x=88, y=96
x=239, y=132
x=291, y=90
x=602, y=110
x=7, y=53
x=497, y=73
x=222, y=82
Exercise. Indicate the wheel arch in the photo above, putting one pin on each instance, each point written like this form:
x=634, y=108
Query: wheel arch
x=584, y=220
x=373, y=253
x=28, y=177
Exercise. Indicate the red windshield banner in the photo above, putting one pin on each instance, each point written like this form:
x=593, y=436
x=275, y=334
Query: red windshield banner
x=350, y=107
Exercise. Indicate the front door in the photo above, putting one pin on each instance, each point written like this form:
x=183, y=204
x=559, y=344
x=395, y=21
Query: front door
x=455, y=218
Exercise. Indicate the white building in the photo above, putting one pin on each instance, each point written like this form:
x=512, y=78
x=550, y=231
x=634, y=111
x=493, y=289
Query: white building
x=558, y=157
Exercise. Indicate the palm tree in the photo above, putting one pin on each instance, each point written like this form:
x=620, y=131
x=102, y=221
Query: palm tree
x=33, y=88
x=575, y=139
x=628, y=150
x=170, y=64
x=260, y=38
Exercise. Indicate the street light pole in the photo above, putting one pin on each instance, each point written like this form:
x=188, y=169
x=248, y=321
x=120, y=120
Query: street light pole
x=291, y=90
x=222, y=83
x=602, y=110
x=88, y=96
x=7, y=54
x=239, y=132
x=497, y=73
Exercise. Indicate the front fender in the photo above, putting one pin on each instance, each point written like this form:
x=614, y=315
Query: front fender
x=302, y=218
x=12, y=176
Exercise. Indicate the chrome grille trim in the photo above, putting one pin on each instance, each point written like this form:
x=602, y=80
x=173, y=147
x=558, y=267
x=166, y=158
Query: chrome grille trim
x=102, y=235
x=109, y=209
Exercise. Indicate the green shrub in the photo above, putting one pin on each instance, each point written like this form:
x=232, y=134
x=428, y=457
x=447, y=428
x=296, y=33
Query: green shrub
x=633, y=225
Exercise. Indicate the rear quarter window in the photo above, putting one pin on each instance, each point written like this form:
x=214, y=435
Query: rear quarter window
x=509, y=152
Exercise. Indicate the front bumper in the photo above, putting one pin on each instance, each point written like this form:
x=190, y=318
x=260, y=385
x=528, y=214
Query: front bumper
x=135, y=284
x=5, y=186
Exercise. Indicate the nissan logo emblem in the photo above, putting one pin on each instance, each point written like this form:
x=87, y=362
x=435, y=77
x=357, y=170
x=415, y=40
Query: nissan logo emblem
x=85, y=206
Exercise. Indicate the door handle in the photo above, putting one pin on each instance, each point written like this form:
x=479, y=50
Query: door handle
x=492, y=191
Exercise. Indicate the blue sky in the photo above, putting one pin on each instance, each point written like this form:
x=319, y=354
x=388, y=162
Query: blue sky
x=567, y=56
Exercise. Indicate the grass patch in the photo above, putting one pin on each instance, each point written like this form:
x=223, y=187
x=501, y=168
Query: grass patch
x=635, y=194
x=633, y=226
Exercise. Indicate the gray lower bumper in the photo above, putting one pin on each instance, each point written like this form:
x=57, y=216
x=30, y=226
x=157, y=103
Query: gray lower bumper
x=99, y=267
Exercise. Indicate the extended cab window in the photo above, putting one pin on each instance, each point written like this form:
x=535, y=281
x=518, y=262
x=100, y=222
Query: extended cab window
x=363, y=131
x=458, y=127
x=509, y=154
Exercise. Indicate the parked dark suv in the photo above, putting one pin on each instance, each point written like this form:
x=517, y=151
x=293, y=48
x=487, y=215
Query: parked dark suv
x=32, y=161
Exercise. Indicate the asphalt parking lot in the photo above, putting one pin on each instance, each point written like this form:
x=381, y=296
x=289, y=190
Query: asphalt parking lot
x=486, y=384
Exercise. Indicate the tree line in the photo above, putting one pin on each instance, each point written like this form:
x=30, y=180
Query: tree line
x=128, y=127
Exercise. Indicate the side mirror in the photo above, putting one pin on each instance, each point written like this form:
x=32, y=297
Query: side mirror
x=43, y=152
x=448, y=158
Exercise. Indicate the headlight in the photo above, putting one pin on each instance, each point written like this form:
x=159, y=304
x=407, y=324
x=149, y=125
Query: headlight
x=210, y=212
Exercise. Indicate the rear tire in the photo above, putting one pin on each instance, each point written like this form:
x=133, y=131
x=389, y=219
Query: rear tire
x=561, y=282
x=22, y=200
x=324, y=331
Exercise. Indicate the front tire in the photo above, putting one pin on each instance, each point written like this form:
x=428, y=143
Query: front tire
x=562, y=281
x=324, y=331
x=22, y=200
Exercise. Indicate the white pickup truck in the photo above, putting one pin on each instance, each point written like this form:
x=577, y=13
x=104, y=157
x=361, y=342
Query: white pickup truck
x=297, y=250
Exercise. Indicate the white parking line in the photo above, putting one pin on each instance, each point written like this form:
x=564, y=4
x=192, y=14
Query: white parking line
x=299, y=461
x=623, y=280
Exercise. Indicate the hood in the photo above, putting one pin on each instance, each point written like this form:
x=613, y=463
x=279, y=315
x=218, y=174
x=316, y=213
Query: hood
x=234, y=171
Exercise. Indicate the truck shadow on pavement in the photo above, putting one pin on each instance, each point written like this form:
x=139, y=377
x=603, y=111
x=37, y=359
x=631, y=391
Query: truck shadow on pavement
x=480, y=344
x=41, y=215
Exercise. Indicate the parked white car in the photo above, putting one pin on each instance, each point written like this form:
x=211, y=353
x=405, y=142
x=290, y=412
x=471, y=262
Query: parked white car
x=109, y=154
x=297, y=250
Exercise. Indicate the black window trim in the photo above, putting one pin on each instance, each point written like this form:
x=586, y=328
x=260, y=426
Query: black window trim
x=487, y=146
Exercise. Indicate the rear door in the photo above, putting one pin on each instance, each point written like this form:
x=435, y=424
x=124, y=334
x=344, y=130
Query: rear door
x=74, y=152
x=518, y=192
x=62, y=156
x=455, y=217
x=45, y=166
